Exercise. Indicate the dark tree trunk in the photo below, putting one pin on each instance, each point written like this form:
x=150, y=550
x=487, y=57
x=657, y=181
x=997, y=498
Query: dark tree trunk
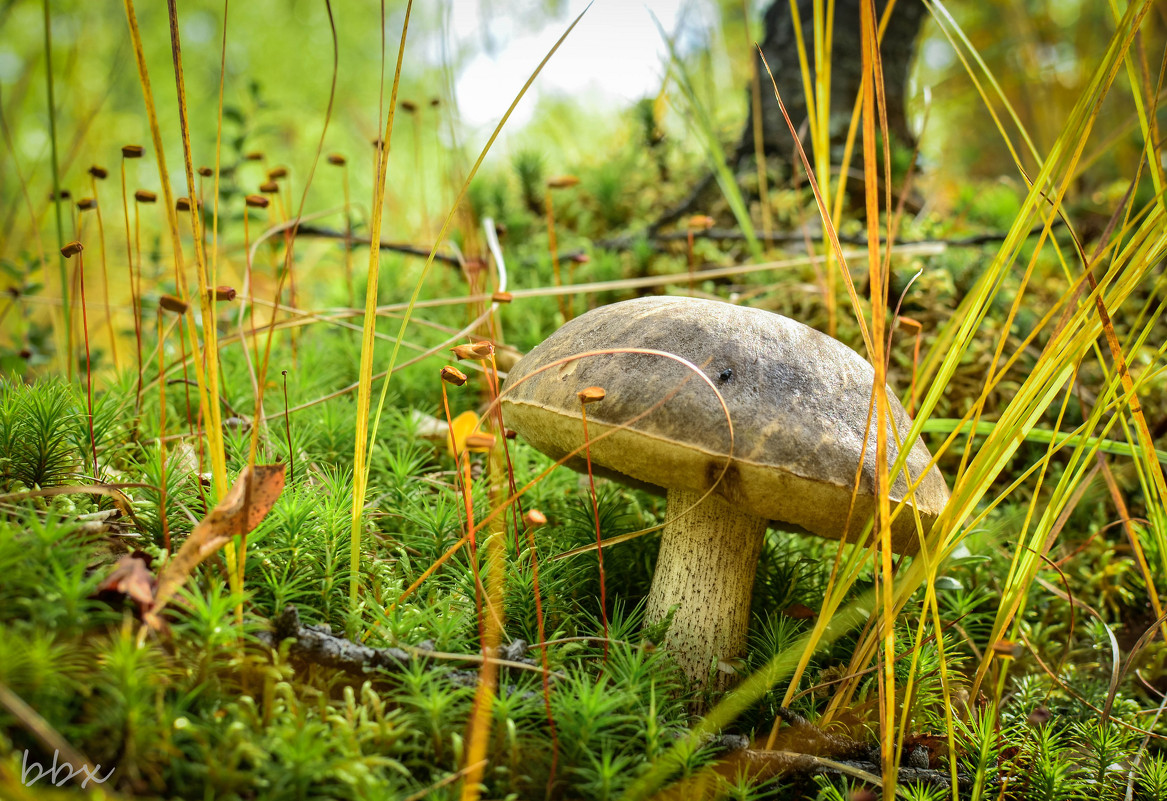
x=781, y=49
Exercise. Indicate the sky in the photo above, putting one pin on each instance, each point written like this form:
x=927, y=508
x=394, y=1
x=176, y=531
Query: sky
x=615, y=55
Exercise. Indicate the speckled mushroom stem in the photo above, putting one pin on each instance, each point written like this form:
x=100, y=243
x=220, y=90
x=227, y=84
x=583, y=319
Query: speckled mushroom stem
x=708, y=558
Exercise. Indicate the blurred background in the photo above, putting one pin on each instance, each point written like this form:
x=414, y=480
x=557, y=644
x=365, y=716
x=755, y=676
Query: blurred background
x=470, y=57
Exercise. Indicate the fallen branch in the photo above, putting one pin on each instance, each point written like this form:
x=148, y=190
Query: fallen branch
x=394, y=247
x=317, y=645
x=798, y=238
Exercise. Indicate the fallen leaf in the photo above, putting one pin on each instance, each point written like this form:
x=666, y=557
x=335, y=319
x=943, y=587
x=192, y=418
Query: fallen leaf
x=461, y=429
x=184, y=459
x=131, y=578
x=800, y=612
x=241, y=510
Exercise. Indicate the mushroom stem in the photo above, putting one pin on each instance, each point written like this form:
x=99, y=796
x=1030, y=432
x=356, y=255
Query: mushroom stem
x=708, y=557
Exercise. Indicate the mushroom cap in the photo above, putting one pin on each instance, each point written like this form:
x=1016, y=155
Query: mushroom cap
x=798, y=400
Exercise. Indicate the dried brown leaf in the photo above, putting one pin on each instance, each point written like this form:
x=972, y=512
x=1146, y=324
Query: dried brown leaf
x=241, y=510
x=131, y=578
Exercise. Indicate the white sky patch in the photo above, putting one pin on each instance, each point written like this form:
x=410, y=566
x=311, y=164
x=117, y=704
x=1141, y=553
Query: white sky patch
x=615, y=55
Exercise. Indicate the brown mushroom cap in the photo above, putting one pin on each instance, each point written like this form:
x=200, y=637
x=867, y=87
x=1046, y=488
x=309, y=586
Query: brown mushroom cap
x=798, y=400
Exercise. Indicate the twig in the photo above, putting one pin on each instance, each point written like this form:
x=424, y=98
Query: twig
x=317, y=645
x=395, y=247
x=733, y=235
x=515, y=649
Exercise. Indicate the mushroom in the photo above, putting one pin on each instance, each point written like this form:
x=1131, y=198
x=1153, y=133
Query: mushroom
x=799, y=402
